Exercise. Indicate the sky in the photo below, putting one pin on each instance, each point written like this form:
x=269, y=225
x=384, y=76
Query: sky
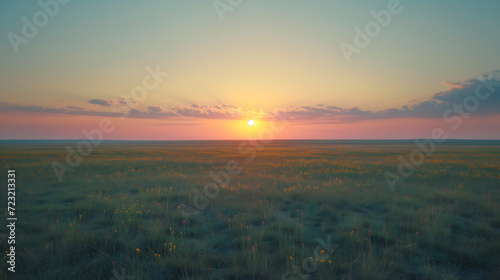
x=194, y=70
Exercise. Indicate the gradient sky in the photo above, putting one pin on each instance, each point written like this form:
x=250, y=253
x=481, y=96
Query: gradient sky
x=264, y=57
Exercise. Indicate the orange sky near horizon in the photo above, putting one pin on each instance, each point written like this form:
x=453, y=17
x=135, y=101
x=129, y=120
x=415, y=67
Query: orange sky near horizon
x=53, y=126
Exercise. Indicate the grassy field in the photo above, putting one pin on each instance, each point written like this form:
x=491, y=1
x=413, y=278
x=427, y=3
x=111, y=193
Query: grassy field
x=297, y=210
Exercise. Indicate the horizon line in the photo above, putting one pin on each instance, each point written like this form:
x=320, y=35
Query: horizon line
x=281, y=139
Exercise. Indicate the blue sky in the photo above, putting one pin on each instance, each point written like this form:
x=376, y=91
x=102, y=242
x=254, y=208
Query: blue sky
x=264, y=54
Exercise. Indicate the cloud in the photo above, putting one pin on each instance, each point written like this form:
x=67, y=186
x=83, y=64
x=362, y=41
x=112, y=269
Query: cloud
x=120, y=100
x=8, y=107
x=101, y=102
x=464, y=96
x=453, y=85
x=204, y=114
x=74, y=108
x=460, y=94
x=154, y=109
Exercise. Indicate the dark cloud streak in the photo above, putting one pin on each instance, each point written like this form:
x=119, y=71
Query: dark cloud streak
x=432, y=108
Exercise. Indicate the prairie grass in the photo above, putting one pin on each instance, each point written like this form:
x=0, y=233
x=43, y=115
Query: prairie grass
x=118, y=212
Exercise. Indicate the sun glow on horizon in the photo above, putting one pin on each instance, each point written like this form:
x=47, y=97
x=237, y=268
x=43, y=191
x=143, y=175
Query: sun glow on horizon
x=251, y=122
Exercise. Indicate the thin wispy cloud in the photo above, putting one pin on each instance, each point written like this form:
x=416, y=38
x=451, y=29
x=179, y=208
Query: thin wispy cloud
x=431, y=108
x=154, y=109
x=75, y=108
x=101, y=102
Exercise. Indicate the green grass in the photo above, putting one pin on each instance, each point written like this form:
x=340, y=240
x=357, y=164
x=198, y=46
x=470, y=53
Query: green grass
x=117, y=213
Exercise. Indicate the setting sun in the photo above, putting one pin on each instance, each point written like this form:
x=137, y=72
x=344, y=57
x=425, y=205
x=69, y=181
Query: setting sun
x=251, y=122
